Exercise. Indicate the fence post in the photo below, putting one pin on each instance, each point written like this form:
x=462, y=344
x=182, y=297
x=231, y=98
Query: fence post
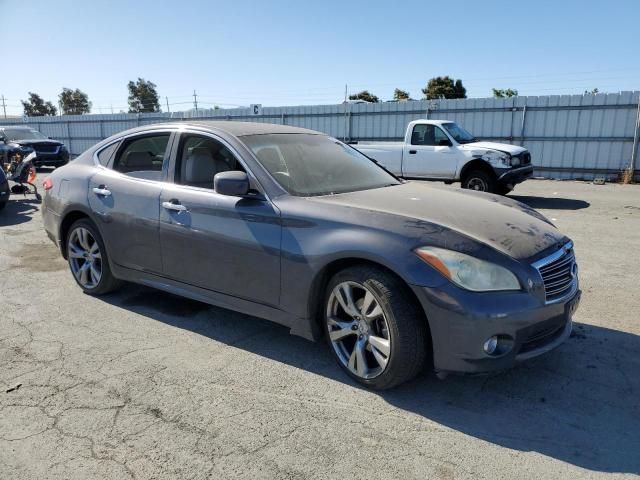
x=634, y=151
x=524, y=117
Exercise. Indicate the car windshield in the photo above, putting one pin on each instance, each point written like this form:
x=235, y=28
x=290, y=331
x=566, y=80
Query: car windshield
x=458, y=133
x=308, y=165
x=23, y=134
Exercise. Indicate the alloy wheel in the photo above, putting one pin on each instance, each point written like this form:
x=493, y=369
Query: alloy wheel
x=85, y=258
x=358, y=329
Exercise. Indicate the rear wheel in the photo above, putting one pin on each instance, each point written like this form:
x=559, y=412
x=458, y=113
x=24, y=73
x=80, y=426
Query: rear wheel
x=88, y=260
x=375, y=330
x=479, y=180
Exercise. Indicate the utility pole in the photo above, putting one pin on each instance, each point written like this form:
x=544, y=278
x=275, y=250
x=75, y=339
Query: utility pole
x=195, y=101
x=167, y=100
x=4, y=107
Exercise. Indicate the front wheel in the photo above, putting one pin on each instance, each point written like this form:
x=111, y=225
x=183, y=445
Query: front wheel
x=479, y=180
x=376, y=331
x=88, y=260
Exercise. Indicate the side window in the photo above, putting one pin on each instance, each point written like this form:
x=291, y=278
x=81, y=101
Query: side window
x=106, y=153
x=200, y=158
x=440, y=137
x=142, y=157
x=427, y=135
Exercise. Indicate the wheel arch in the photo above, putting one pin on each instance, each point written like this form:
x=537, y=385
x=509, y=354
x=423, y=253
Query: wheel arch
x=68, y=219
x=477, y=164
x=319, y=284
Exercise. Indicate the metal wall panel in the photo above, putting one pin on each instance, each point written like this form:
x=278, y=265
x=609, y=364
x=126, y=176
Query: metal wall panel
x=569, y=136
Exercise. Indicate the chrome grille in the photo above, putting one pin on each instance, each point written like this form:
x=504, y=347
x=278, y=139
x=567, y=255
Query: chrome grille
x=559, y=274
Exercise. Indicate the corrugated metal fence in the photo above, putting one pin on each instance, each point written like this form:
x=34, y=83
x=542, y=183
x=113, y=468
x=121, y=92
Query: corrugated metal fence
x=569, y=136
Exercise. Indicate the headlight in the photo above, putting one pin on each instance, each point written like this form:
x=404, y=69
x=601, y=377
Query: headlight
x=497, y=159
x=515, y=161
x=469, y=272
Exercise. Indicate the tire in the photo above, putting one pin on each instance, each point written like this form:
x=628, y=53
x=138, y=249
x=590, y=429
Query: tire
x=502, y=189
x=480, y=181
x=389, y=329
x=89, y=250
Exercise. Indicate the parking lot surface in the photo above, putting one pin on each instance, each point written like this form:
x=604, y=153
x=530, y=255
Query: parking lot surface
x=142, y=384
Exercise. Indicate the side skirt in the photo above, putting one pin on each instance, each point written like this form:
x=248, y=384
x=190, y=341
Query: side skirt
x=212, y=298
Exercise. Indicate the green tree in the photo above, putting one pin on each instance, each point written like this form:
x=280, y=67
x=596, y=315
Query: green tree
x=504, y=92
x=364, y=95
x=143, y=96
x=444, y=87
x=74, y=102
x=401, y=95
x=37, y=107
x=591, y=92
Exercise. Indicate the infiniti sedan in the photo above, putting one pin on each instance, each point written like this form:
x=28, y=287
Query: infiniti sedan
x=296, y=227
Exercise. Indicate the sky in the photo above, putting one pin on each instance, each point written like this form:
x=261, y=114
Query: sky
x=239, y=52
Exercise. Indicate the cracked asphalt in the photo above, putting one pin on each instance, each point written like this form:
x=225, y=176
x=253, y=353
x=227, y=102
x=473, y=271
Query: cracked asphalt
x=141, y=384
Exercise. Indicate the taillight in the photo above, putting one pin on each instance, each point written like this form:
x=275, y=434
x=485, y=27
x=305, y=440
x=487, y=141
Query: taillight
x=47, y=184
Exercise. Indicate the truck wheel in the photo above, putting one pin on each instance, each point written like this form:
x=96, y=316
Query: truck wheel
x=479, y=180
x=502, y=189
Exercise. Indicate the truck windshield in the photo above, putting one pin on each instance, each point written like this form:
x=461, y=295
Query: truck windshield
x=23, y=134
x=309, y=165
x=458, y=133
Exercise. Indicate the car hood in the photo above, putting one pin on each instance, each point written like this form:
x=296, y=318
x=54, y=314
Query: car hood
x=501, y=147
x=506, y=225
x=36, y=142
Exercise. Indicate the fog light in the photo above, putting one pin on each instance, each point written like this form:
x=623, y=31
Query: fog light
x=491, y=345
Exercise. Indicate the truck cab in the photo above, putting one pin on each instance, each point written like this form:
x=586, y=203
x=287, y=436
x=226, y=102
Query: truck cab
x=443, y=150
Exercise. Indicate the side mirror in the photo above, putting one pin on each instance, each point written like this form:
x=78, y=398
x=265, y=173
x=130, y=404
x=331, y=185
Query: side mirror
x=233, y=184
x=445, y=143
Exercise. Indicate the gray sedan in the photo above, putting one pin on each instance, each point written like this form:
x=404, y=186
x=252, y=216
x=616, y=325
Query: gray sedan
x=296, y=227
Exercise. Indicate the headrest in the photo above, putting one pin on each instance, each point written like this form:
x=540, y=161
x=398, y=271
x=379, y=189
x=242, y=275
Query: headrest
x=416, y=138
x=199, y=166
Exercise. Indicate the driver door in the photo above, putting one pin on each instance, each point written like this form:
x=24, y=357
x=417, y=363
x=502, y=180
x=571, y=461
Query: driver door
x=430, y=155
x=225, y=244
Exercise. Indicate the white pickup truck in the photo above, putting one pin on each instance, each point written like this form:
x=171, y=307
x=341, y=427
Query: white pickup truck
x=442, y=150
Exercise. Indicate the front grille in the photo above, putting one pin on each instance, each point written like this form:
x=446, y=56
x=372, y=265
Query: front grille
x=525, y=158
x=45, y=148
x=558, y=273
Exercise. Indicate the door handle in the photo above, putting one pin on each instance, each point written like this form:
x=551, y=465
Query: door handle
x=412, y=152
x=102, y=191
x=174, y=205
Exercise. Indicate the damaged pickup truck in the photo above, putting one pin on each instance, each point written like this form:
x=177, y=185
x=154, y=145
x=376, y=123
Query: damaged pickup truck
x=442, y=150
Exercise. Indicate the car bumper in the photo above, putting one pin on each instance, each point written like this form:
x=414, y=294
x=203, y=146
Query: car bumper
x=515, y=175
x=461, y=322
x=51, y=159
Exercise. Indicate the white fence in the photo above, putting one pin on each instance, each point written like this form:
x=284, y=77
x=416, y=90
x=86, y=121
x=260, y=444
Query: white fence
x=569, y=136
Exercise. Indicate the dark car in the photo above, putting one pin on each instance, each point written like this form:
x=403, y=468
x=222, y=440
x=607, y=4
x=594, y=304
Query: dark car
x=24, y=140
x=4, y=189
x=296, y=227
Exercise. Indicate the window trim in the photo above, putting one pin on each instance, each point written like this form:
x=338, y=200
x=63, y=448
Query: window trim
x=176, y=152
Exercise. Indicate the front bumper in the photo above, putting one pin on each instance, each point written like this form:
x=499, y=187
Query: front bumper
x=515, y=175
x=461, y=322
x=61, y=157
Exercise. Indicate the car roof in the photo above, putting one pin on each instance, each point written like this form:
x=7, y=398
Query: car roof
x=237, y=129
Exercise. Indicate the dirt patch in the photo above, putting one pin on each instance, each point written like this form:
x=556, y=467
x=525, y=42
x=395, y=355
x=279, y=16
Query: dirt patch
x=39, y=257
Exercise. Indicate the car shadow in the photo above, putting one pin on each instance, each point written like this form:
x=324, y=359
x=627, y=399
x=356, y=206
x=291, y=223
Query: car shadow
x=18, y=210
x=551, y=203
x=578, y=404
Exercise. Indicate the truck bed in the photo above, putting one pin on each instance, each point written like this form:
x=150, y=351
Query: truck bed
x=388, y=154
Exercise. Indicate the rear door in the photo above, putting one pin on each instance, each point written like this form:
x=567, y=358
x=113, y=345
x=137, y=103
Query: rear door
x=226, y=244
x=430, y=154
x=125, y=197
